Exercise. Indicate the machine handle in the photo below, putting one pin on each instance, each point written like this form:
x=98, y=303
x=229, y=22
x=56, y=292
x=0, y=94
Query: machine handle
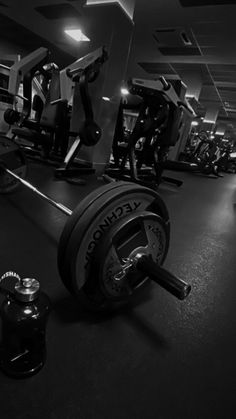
x=165, y=84
x=187, y=107
x=164, y=278
x=60, y=100
x=15, y=94
x=54, y=102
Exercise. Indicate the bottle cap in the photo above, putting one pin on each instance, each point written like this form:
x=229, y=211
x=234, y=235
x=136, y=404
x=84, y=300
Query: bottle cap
x=27, y=289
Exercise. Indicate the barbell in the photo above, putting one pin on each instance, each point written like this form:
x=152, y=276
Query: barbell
x=112, y=243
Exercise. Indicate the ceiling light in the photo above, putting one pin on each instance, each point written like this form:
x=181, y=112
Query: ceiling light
x=107, y=99
x=124, y=91
x=77, y=35
x=212, y=136
x=194, y=123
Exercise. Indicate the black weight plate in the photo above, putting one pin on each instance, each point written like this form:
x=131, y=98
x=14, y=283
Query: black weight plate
x=141, y=232
x=80, y=210
x=91, y=227
x=14, y=160
x=71, y=222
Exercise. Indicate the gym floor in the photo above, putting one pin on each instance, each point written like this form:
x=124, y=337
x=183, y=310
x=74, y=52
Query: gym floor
x=161, y=358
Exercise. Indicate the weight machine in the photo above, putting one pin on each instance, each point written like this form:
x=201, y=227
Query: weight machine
x=78, y=76
x=52, y=129
x=158, y=122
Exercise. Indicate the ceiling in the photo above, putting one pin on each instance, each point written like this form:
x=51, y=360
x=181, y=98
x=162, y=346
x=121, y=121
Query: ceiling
x=198, y=43
x=191, y=39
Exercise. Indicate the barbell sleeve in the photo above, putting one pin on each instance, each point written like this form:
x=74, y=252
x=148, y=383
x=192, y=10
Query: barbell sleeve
x=177, y=287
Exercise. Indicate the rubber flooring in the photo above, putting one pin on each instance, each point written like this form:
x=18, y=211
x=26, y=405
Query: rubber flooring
x=160, y=358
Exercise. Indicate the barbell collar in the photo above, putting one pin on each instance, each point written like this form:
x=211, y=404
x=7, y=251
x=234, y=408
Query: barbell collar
x=177, y=287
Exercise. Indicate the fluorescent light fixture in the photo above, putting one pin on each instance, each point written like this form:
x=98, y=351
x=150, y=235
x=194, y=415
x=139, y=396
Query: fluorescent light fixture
x=219, y=132
x=208, y=122
x=230, y=110
x=124, y=91
x=77, y=35
x=212, y=136
x=194, y=123
x=107, y=99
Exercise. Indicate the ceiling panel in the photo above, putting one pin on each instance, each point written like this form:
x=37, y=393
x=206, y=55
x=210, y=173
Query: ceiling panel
x=218, y=34
x=58, y=11
x=230, y=79
x=186, y=51
x=222, y=115
x=222, y=68
x=232, y=115
x=200, y=69
x=231, y=103
x=26, y=41
x=209, y=51
x=205, y=41
x=176, y=41
x=211, y=31
x=230, y=98
x=157, y=68
x=201, y=3
x=209, y=93
x=224, y=73
x=224, y=90
x=174, y=37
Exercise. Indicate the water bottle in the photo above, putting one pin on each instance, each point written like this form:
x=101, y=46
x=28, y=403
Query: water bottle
x=24, y=315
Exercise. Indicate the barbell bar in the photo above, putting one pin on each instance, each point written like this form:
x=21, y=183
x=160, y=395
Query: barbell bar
x=43, y=196
x=94, y=220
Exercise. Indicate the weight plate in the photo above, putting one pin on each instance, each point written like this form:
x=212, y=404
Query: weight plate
x=14, y=160
x=80, y=210
x=141, y=232
x=86, y=219
x=98, y=218
x=71, y=222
